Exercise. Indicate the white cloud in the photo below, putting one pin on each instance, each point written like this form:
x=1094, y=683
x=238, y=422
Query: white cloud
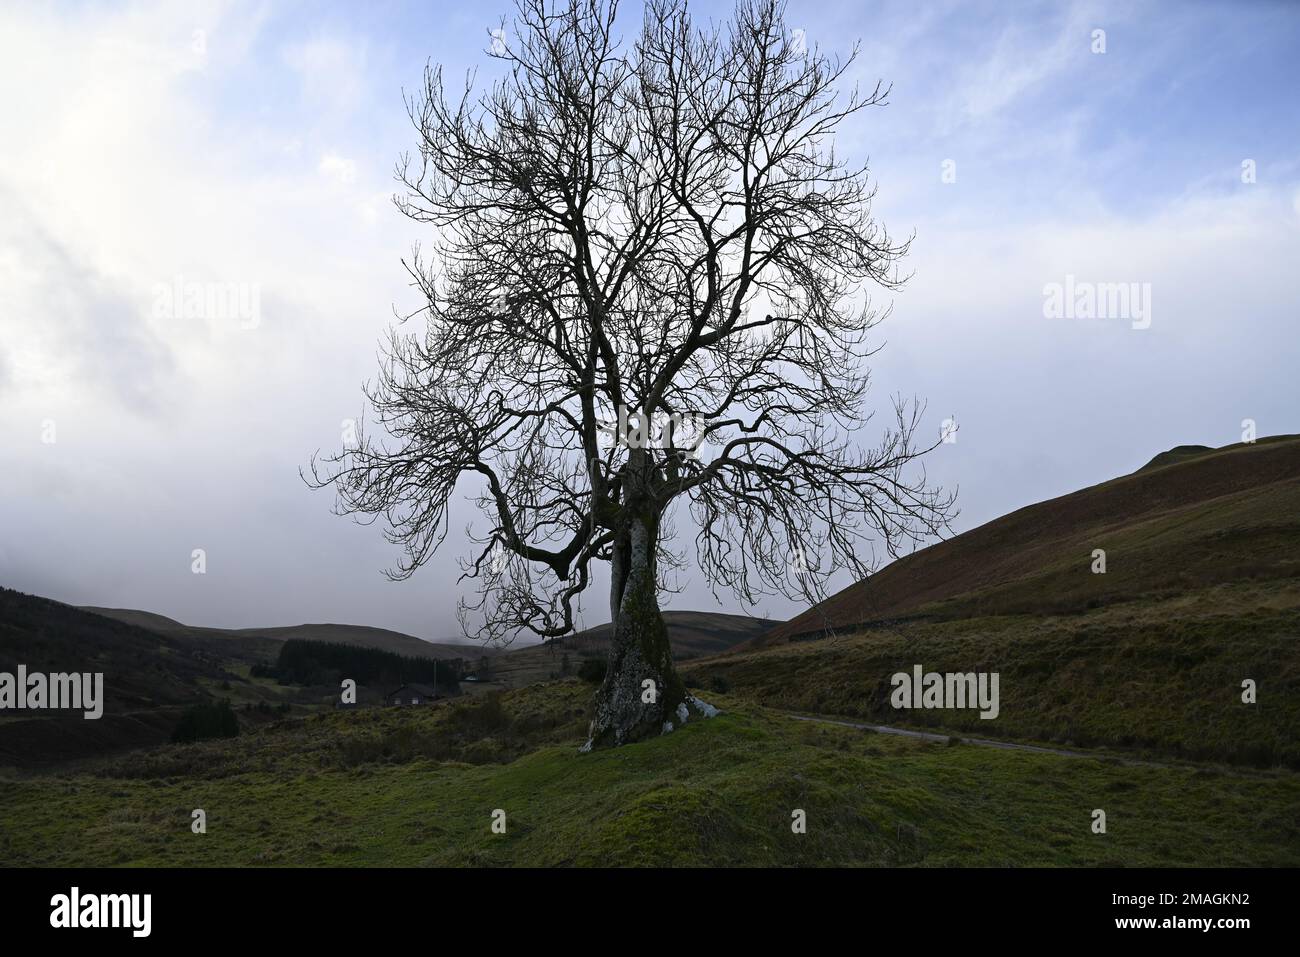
x=337, y=169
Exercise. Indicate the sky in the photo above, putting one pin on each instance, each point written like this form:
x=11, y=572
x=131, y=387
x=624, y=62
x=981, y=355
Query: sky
x=249, y=148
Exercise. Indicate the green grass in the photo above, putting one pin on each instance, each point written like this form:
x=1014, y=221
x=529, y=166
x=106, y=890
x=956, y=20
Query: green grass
x=1160, y=676
x=359, y=788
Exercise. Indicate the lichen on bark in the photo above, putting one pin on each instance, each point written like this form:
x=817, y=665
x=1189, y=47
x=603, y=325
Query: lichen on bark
x=640, y=651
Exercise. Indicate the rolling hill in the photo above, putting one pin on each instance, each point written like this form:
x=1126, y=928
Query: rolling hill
x=155, y=666
x=1140, y=667
x=149, y=668
x=148, y=678
x=1201, y=592
x=360, y=635
x=1191, y=518
x=692, y=634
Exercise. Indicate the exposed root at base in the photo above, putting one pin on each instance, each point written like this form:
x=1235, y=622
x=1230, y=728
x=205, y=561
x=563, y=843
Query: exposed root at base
x=683, y=714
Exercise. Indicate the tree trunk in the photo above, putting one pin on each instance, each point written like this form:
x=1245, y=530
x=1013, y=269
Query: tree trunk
x=641, y=695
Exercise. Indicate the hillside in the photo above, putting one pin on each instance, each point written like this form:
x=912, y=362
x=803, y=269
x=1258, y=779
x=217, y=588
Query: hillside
x=1158, y=677
x=148, y=668
x=154, y=667
x=692, y=634
x=1189, y=519
x=148, y=678
x=1133, y=676
x=360, y=635
x=1179, y=453
x=1201, y=591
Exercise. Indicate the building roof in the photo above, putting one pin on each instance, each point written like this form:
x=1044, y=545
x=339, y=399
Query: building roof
x=425, y=690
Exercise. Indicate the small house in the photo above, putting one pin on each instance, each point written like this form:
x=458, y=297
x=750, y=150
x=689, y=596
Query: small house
x=413, y=694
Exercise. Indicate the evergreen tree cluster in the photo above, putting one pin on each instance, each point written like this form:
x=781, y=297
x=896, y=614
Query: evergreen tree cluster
x=203, y=721
x=306, y=662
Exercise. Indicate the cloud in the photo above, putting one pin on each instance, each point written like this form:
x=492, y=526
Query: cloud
x=337, y=169
x=68, y=327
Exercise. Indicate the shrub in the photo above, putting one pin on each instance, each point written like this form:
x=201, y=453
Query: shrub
x=203, y=721
x=593, y=670
x=482, y=715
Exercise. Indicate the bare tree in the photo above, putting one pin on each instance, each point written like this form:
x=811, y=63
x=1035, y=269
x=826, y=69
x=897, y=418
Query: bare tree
x=647, y=286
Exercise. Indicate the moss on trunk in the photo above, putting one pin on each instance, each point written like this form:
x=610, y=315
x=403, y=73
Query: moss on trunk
x=627, y=707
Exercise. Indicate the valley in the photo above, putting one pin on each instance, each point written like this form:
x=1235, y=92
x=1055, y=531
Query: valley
x=1119, y=691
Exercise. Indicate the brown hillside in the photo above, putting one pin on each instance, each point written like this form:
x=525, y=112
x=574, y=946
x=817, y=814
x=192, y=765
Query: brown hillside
x=1190, y=518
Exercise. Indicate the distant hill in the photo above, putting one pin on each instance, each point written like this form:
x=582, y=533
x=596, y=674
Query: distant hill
x=360, y=635
x=154, y=667
x=1190, y=518
x=142, y=619
x=148, y=668
x=148, y=678
x=692, y=634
